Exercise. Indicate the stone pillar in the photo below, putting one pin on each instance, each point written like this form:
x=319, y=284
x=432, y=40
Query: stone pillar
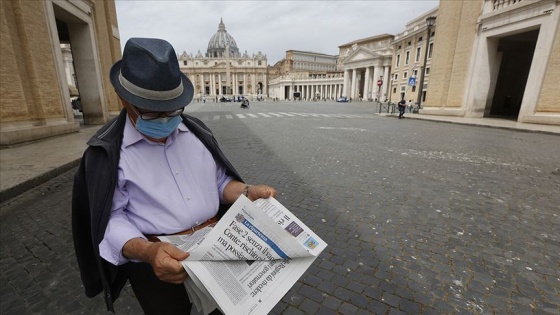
x=376, y=74
x=353, y=93
x=212, y=85
x=385, y=86
x=244, y=83
x=346, y=84
x=367, y=84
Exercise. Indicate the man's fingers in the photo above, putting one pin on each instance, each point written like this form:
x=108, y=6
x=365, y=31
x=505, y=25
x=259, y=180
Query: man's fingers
x=176, y=253
x=263, y=191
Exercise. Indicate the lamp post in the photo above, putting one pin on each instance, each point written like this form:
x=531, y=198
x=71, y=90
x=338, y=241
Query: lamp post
x=430, y=21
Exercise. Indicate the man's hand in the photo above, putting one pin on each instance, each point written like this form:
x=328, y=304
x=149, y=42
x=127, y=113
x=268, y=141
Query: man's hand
x=164, y=258
x=234, y=189
x=261, y=191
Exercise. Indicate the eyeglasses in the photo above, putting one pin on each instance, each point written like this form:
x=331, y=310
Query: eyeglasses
x=156, y=115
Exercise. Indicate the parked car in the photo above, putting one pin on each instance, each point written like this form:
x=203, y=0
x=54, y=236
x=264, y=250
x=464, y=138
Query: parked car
x=343, y=99
x=225, y=99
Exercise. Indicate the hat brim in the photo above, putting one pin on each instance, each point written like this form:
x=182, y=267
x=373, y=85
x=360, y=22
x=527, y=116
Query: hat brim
x=156, y=105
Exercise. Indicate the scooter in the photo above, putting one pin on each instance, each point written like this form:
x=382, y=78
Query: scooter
x=245, y=103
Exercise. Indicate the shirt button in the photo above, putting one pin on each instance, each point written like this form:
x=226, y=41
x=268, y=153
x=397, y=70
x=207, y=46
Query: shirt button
x=188, y=198
x=176, y=172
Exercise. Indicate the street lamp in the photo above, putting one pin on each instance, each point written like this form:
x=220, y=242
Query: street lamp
x=430, y=21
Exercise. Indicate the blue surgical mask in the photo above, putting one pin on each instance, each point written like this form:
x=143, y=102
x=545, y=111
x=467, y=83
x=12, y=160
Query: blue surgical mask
x=158, y=128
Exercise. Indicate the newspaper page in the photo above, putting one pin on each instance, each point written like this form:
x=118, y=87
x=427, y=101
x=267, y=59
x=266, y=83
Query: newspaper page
x=250, y=259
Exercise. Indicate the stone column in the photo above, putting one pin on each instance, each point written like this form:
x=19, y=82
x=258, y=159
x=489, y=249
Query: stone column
x=244, y=83
x=212, y=85
x=346, y=84
x=202, y=85
x=385, y=86
x=353, y=93
x=367, y=84
x=376, y=89
x=254, y=82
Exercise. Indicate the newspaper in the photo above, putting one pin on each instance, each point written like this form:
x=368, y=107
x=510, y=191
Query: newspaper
x=248, y=261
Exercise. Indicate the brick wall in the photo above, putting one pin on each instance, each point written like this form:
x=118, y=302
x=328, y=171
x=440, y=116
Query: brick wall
x=454, y=38
x=549, y=100
x=109, y=49
x=30, y=87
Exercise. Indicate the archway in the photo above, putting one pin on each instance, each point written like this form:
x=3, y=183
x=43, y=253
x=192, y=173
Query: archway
x=515, y=56
x=72, y=29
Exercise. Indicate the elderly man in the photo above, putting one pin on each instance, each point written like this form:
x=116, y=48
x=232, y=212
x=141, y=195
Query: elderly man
x=150, y=171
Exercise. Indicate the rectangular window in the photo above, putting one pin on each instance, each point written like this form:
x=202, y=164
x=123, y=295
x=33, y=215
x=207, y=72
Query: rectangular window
x=430, y=50
x=418, y=53
x=184, y=62
x=427, y=70
x=405, y=75
x=407, y=59
x=414, y=88
x=398, y=61
x=396, y=76
x=415, y=73
x=394, y=90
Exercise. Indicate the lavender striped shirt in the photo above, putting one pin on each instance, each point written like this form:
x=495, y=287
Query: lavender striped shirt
x=161, y=189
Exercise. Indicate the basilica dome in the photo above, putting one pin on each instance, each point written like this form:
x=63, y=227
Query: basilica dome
x=219, y=42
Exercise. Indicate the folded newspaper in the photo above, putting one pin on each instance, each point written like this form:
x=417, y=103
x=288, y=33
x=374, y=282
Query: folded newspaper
x=248, y=261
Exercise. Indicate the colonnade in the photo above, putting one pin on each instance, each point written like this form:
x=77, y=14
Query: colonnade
x=218, y=81
x=310, y=91
x=362, y=82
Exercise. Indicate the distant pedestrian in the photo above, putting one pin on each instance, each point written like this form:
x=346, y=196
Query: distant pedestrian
x=410, y=104
x=402, y=108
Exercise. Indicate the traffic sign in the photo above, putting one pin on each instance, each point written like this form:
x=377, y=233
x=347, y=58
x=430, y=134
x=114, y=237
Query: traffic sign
x=412, y=81
x=379, y=82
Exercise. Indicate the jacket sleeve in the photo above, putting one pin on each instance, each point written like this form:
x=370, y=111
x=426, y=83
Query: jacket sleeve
x=82, y=236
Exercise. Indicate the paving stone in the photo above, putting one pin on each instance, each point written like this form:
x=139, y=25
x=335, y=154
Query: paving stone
x=347, y=308
x=312, y=293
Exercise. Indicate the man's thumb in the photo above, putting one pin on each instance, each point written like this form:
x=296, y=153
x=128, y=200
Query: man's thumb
x=177, y=254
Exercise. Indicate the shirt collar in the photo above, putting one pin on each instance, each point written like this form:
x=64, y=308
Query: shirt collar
x=132, y=136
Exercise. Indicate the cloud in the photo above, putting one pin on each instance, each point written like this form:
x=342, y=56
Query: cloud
x=271, y=27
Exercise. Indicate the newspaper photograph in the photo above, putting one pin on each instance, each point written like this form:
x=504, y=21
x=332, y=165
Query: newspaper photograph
x=248, y=261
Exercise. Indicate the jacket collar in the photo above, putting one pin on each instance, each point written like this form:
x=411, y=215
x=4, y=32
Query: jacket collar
x=110, y=132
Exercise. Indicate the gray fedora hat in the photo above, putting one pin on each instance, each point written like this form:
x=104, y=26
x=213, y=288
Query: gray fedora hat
x=148, y=76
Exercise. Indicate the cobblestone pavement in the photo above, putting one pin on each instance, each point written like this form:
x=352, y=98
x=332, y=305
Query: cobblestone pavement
x=421, y=217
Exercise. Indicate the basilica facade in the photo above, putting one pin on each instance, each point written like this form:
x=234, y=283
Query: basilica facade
x=225, y=72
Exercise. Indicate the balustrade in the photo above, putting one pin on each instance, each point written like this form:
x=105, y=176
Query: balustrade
x=500, y=4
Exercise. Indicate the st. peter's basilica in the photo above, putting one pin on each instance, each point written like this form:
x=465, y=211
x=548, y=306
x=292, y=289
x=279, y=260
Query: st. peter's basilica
x=223, y=70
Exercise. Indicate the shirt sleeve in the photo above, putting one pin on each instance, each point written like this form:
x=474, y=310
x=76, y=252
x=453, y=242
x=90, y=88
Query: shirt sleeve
x=222, y=179
x=119, y=229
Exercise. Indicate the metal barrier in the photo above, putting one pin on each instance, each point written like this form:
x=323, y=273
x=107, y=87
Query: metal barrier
x=389, y=107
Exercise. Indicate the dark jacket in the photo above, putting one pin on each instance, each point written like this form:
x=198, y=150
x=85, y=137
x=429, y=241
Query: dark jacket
x=92, y=196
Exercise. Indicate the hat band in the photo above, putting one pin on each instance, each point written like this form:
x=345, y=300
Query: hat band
x=151, y=94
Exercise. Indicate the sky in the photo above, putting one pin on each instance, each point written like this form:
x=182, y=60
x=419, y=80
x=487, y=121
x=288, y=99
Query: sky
x=271, y=27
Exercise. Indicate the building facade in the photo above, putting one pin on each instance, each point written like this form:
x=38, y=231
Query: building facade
x=305, y=75
x=34, y=87
x=408, y=59
x=366, y=64
x=223, y=71
x=497, y=58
